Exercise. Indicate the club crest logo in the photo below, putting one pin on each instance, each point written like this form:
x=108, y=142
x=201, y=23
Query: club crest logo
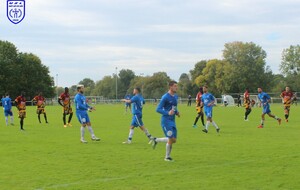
x=15, y=10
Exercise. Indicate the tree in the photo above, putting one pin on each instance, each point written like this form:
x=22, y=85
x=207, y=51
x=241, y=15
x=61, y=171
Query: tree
x=214, y=75
x=23, y=72
x=89, y=85
x=248, y=66
x=199, y=66
x=105, y=87
x=125, y=77
x=156, y=85
x=290, y=64
x=185, y=86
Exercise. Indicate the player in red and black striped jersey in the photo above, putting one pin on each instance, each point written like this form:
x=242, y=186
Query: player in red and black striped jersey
x=199, y=108
x=287, y=97
x=40, y=102
x=247, y=104
x=21, y=106
x=65, y=101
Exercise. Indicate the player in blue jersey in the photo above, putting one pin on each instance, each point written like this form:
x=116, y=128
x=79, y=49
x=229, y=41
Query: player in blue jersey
x=127, y=104
x=168, y=108
x=136, y=102
x=208, y=101
x=265, y=99
x=81, y=112
x=6, y=103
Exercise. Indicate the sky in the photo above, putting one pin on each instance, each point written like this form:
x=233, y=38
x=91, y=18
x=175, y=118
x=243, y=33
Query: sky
x=80, y=39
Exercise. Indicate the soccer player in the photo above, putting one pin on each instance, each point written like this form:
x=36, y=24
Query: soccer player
x=21, y=106
x=168, y=108
x=287, y=97
x=81, y=112
x=65, y=101
x=265, y=99
x=127, y=105
x=40, y=102
x=189, y=100
x=137, y=102
x=208, y=100
x=6, y=103
x=247, y=104
x=199, y=108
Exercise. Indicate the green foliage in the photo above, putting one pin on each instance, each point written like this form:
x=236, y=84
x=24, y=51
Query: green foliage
x=89, y=85
x=290, y=64
x=214, y=75
x=247, y=69
x=240, y=157
x=23, y=72
x=156, y=85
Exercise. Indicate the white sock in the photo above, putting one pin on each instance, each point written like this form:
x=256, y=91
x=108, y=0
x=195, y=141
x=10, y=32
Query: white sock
x=168, y=150
x=82, y=132
x=11, y=119
x=214, y=124
x=6, y=120
x=164, y=139
x=147, y=133
x=131, y=132
x=91, y=131
x=207, y=125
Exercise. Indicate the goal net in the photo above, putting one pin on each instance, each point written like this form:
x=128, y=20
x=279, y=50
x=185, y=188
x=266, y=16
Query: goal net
x=229, y=100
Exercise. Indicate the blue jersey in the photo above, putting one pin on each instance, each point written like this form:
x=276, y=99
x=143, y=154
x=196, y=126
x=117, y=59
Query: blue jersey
x=80, y=102
x=6, y=103
x=264, y=98
x=137, y=102
x=207, y=98
x=127, y=97
x=167, y=103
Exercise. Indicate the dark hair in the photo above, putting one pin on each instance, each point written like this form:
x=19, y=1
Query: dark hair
x=171, y=83
x=201, y=90
x=205, y=86
x=138, y=89
x=66, y=88
x=6, y=94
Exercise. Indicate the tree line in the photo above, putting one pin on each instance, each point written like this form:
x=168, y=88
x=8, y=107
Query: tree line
x=243, y=66
x=23, y=72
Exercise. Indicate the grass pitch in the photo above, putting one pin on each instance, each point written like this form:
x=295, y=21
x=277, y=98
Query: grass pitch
x=48, y=156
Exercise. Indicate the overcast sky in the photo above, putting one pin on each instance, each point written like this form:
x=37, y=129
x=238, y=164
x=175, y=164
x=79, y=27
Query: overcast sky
x=80, y=39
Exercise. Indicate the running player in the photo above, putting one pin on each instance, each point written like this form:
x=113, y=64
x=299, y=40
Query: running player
x=208, y=100
x=199, y=108
x=21, y=106
x=40, y=102
x=287, y=97
x=127, y=105
x=6, y=103
x=65, y=101
x=168, y=108
x=265, y=99
x=137, y=102
x=247, y=104
x=81, y=112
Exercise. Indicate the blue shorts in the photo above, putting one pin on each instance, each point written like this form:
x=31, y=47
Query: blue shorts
x=8, y=113
x=137, y=121
x=82, y=117
x=208, y=112
x=266, y=109
x=169, y=129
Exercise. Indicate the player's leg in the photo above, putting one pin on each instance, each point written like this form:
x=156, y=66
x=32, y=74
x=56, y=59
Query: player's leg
x=64, y=119
x=11, y=118
x=215, y=125
x=208, y=113
x=45, y=115
x=262, y=120
x=6, y=117
x=82, y=121
x=247, y=112
x=286, y=113
x=39, y=116
x=145, y=130
x=172, y=135
x=70, y=118
x=89, y=125
x=197, y=118
x=275, y=117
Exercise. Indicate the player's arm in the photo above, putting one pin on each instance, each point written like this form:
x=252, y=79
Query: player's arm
x=160, y=107
x=60, y=101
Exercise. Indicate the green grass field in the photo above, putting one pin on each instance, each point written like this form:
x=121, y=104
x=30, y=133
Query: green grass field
x=240, y=157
